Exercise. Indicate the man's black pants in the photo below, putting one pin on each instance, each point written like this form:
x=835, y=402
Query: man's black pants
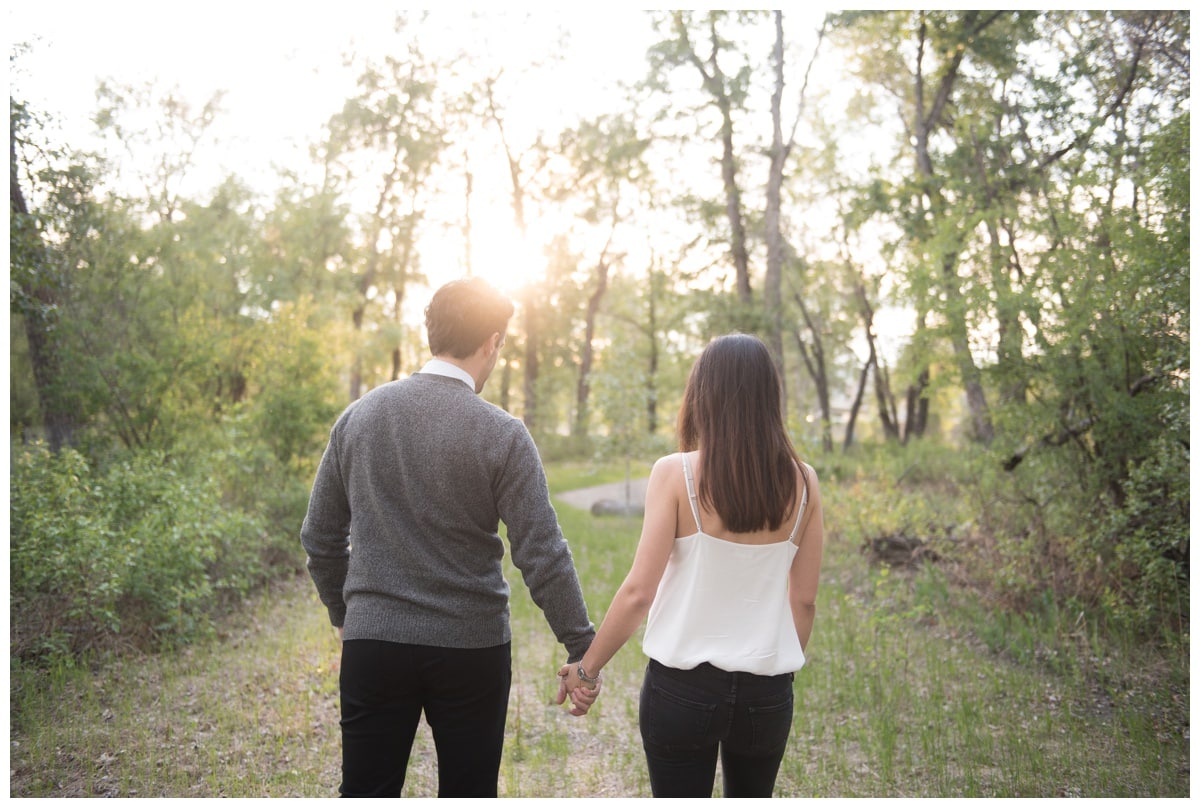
x=464, y=695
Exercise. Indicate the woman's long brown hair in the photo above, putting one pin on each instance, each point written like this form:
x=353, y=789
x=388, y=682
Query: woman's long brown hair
x=732, y=409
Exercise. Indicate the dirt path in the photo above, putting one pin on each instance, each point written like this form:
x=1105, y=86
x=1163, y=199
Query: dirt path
x=633, y=492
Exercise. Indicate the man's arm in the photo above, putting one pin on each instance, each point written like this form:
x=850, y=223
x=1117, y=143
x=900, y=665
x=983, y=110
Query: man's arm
x=539, y=550
x=325, y=534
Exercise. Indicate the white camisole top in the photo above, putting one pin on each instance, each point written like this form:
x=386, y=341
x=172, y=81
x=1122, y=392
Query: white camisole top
x=725, y=603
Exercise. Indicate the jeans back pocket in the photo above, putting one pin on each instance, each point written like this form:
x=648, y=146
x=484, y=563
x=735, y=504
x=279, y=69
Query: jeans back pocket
x=770, y=724
x=674, y=718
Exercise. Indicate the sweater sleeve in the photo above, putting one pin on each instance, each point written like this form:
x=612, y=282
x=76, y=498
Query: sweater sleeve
x=539, y=549
x=325, y=534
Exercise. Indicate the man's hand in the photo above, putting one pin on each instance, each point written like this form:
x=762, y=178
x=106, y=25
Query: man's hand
x=582, y=697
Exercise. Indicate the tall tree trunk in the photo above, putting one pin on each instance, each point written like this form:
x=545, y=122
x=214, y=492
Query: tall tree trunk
x=885, y=400
x=397, y=351
x=733, y=206
x=916, y=403
x=468, y=268
x=652, y=359
x=817, y=370
x=852, y=418
x=506, y=384
x=887, y=419
x=713, y=81
x=780, y=150
x=528, y=295
x=356, y=367
x=773, y=279
x=583, y=386
x=529, y=305
x=58, y=420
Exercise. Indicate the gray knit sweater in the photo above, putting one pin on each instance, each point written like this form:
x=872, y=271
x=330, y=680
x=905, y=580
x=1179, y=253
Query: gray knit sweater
x=402, y=525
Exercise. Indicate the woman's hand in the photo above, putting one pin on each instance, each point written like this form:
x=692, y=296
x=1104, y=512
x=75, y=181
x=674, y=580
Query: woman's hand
x=569, y=684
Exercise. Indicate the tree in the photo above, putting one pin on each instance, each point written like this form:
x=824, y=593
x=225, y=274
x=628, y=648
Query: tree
x=1041, y=229
x=605, y=165
x=36, y=284
x=779, y=152
x=161, y=133
x=392, y=134
x=932, y=202
x=727, y=95
x=522, y=180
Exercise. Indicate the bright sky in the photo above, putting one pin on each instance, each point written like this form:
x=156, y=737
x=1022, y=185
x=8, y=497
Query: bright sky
x=281, y=65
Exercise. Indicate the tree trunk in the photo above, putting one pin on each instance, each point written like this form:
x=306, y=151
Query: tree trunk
x=815, y=363
x=916, y=404
x=848, y=439
x=530, y=306
x=891, y=429
x=583, y=387
x=885, y=401
x=733, y=206
x=773, y=279
x=916, y=418
x=356, y=369
x=528, y=295
x=713, y=81
x=57, y=418
x=652, y=360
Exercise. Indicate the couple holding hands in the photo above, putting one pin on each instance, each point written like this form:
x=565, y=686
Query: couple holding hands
x=403, y=547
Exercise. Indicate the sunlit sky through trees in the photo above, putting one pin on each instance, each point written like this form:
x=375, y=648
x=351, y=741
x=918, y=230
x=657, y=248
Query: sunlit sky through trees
x=283, y=69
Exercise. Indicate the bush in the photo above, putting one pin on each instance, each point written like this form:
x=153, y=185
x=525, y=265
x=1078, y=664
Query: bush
x=1045, y=538
x=1141, y=555
x=136, y=553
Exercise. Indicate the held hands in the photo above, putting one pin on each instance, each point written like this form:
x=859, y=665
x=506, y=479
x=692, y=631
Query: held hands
x=583, y=695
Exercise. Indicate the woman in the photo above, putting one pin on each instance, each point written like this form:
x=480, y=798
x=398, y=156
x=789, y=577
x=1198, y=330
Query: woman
x=727, y=569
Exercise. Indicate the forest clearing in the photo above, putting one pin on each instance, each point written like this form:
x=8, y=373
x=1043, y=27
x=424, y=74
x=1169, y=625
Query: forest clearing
x=963, y=236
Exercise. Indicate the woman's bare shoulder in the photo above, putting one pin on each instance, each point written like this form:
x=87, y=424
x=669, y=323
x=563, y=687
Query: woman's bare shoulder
x=810, y=481
x=667, y=466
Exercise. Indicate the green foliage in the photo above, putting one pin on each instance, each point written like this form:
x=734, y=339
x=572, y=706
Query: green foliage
x=136, y=552
x=920, y=491
x=196, y=348
x=295, y=386
x=1017, y=539
x=1140, y=556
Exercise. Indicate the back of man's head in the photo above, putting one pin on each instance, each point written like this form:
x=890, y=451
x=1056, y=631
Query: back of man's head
x=463, y=314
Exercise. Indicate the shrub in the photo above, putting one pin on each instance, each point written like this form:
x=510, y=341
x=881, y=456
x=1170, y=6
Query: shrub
x=1141, y=553
x=135, y=553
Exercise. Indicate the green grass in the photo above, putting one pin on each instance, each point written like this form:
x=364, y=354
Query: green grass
x=914, y=688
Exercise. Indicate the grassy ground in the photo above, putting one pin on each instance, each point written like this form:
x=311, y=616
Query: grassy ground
x=911, y=690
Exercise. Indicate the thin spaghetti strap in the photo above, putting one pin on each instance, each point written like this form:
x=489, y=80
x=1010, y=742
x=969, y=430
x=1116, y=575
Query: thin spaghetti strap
x=800, y=512
x=691, y=490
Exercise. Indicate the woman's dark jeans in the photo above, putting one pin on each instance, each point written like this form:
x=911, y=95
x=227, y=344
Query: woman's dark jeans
x=687, y=716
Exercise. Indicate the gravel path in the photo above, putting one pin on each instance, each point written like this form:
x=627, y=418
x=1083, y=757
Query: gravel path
x=584, y=498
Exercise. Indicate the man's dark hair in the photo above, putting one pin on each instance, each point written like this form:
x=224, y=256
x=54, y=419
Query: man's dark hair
x=463, y=314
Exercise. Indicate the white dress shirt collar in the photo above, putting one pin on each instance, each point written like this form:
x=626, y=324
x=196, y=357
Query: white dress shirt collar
x=440, y=367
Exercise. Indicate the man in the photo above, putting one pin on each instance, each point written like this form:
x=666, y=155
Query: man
x=403, y=546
